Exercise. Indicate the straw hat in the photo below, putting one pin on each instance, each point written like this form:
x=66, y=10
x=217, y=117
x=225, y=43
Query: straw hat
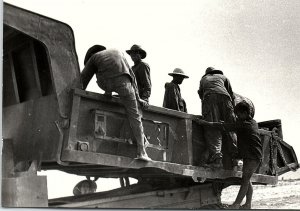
x=178, y=71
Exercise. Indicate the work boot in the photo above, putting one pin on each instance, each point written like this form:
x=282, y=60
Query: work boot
x=142, y=154
x=143, y=157
x=146, y=142
x=245, y=207
x=234, y=207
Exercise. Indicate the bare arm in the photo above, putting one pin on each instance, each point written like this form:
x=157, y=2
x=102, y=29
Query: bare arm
x=87, y=73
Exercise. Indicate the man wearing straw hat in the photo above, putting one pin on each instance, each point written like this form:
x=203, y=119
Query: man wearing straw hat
x=172, y=98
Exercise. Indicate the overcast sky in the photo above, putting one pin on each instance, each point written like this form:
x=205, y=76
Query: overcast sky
x=255, y=43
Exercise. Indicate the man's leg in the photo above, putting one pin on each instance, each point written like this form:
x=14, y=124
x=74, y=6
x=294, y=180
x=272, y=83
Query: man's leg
x=249, y=194
x=249, y=167
x=213, y=139
x=229, y=137
x=127, y=96
x=212, y=136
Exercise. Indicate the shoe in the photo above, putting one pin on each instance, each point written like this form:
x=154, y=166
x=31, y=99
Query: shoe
x=146, y=143
x=217, y=163
x=245, y=207
x=143, y=157
x=233, y=207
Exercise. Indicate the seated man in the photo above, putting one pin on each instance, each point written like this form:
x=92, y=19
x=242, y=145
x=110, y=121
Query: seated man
x=114, y=75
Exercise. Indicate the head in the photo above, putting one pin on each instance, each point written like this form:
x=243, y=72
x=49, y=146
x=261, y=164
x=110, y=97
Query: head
x=135, y=56
x=178, y=75
x=136, y=53
x=177, y=79
x=209, y=69
x=242, y=110
x=91, y=51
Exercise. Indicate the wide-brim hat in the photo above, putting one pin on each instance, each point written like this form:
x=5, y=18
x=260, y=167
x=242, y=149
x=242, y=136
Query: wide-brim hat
x=91, y=51
x=137, y=48
x=178, y=71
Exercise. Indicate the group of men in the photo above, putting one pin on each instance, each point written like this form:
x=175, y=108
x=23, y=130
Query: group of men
x=133, y=85
x=219, y=111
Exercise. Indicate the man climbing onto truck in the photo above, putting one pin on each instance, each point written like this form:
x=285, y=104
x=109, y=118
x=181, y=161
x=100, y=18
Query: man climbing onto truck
x=217, y=98
x=249, y=149
x=115, y=75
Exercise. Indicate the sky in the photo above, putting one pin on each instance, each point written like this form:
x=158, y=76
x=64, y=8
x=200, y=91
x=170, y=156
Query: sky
x=256, y=43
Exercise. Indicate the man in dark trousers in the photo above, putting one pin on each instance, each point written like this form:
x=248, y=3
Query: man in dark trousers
x=172, y=98
x=217, y=99
x=141, y=71
x=114, y=75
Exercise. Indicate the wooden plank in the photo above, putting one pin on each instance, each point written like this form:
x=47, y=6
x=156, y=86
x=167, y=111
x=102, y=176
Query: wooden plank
x=35, y=68
x=189, y=138
x=13, y=72
x=73, y=122
x=187, y=197
x=172, y=168
x=25, y=191
x=159, y=110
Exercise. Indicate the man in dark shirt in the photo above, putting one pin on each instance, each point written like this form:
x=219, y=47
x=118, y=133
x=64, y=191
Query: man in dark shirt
x=141, y=71
x=217, y=105
x=249, y=149
x=172, y=98
x=114, y=75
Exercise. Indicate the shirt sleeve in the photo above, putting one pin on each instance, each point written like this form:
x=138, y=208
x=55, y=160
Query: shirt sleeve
x=87, y=73
x=144, y=76
x=201, y=90
x=133, y=78
x=229, y=88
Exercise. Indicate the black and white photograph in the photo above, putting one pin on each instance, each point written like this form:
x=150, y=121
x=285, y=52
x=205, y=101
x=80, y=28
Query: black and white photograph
x=150, y=104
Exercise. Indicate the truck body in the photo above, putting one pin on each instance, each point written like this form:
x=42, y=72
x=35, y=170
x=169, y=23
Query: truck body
x=49, y=123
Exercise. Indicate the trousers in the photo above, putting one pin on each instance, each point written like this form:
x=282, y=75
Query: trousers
x=216, y=108
x=123, y=86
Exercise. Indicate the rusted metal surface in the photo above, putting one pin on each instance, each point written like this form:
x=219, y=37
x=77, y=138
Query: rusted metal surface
x=31, y=128
x=59, y=41
x=102, y=124
x=91, y=111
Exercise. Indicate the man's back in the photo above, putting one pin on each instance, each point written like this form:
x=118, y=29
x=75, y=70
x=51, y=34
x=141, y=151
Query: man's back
x=214, y=84
x=110, y=63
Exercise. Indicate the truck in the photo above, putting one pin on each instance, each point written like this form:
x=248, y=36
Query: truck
x=50, y=123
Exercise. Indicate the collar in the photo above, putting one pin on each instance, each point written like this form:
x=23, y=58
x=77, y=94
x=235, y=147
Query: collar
x=214, y=72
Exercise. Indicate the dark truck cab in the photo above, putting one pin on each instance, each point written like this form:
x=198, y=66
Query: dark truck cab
x=49, y=122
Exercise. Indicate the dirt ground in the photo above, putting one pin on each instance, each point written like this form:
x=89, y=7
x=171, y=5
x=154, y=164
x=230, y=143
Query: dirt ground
x=285, y=195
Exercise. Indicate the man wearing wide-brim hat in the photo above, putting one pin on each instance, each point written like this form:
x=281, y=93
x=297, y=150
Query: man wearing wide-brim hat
x=141, y=71
x=172, y=97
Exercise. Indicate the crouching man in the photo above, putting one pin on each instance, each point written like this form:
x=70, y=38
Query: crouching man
x=115, y=75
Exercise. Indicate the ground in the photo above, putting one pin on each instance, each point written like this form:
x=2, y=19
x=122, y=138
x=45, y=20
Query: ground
x=285, y=195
